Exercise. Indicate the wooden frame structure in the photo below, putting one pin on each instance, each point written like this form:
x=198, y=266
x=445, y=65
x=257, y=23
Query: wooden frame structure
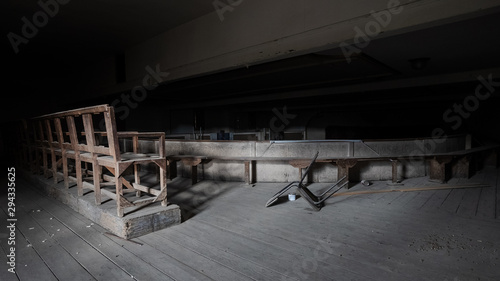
x=442, y=166
x=71, y=136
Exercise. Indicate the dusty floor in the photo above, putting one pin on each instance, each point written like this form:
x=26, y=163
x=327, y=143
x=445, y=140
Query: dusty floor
x=228, y=234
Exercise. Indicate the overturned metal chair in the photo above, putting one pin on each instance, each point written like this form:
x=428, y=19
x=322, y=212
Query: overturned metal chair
x=316, y=201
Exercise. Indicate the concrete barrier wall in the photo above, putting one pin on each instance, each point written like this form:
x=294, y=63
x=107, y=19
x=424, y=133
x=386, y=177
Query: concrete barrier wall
x=273, y=171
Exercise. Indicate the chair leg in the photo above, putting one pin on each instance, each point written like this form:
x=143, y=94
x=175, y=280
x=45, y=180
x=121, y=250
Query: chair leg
x=97, y=182
x=137, y=178
x=310, y=198
x=86, y=169
x=37, y=161
x=45, y=165
x=79, y=176
x=119, y=193
x=54, y=168
x=65, y=171
x=163, y=184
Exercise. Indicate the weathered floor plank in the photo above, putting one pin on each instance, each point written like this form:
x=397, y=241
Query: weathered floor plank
x=4, y=251
x=228, y=234
x=319, y=249
x=194, y=259
x=4, y=267
x=355, y=230
x=469, y=204
x=452, y=202
x=49, y=249
x=437, y=230
x=437, y=200
x=487, y=200
x=221, y=254
x=29, y=263
x=98, y=265
x=136, y=265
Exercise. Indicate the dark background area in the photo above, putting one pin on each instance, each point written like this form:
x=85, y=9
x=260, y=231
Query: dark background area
x=380, y=94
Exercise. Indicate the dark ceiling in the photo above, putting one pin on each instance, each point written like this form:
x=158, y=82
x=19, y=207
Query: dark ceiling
x=41, y=75
x=460, y=47
x=94, y=28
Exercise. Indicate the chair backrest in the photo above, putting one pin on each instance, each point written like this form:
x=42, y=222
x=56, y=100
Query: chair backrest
x=304, y=175
x=67, y=135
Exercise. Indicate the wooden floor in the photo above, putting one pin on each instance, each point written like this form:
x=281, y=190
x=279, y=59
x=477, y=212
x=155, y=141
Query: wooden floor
x=228, y=234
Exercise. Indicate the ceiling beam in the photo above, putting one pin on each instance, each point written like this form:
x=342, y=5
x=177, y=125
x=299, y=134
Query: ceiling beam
x=434, y=80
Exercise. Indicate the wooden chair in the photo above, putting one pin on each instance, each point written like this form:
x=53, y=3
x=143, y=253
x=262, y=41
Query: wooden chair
x=42, y=147
x=316, y=201
x=292, y=184
x=109, y=156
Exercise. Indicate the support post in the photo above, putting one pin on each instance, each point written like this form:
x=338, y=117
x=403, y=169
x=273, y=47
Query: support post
x=248, y=180
x=438, y=168
x=300, y=164
x=462, y=168
x=137, y=178
x=344, y=167
x=194, y=174
x=172, y=169
x=395, y=178
x=193, y=162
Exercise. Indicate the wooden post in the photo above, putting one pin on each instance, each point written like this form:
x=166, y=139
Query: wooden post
x=163, y=171
x=438, y=169
x=394, y=170
x=52, y=152
x=462, y=168
x=119, y=191
x=172, y=169
x=112, y=134
x=43, y=149
x=194, y=174
x=70, y=120
x=97, y=171
x=90, y=137
x=344, y=166
x=60, y=140
x=300, y=164
x=253, y=171
x=395, y=177
x=163, y=185
x=135, y=149
x=247, y=172
x=250, y=171
x=193, y=162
